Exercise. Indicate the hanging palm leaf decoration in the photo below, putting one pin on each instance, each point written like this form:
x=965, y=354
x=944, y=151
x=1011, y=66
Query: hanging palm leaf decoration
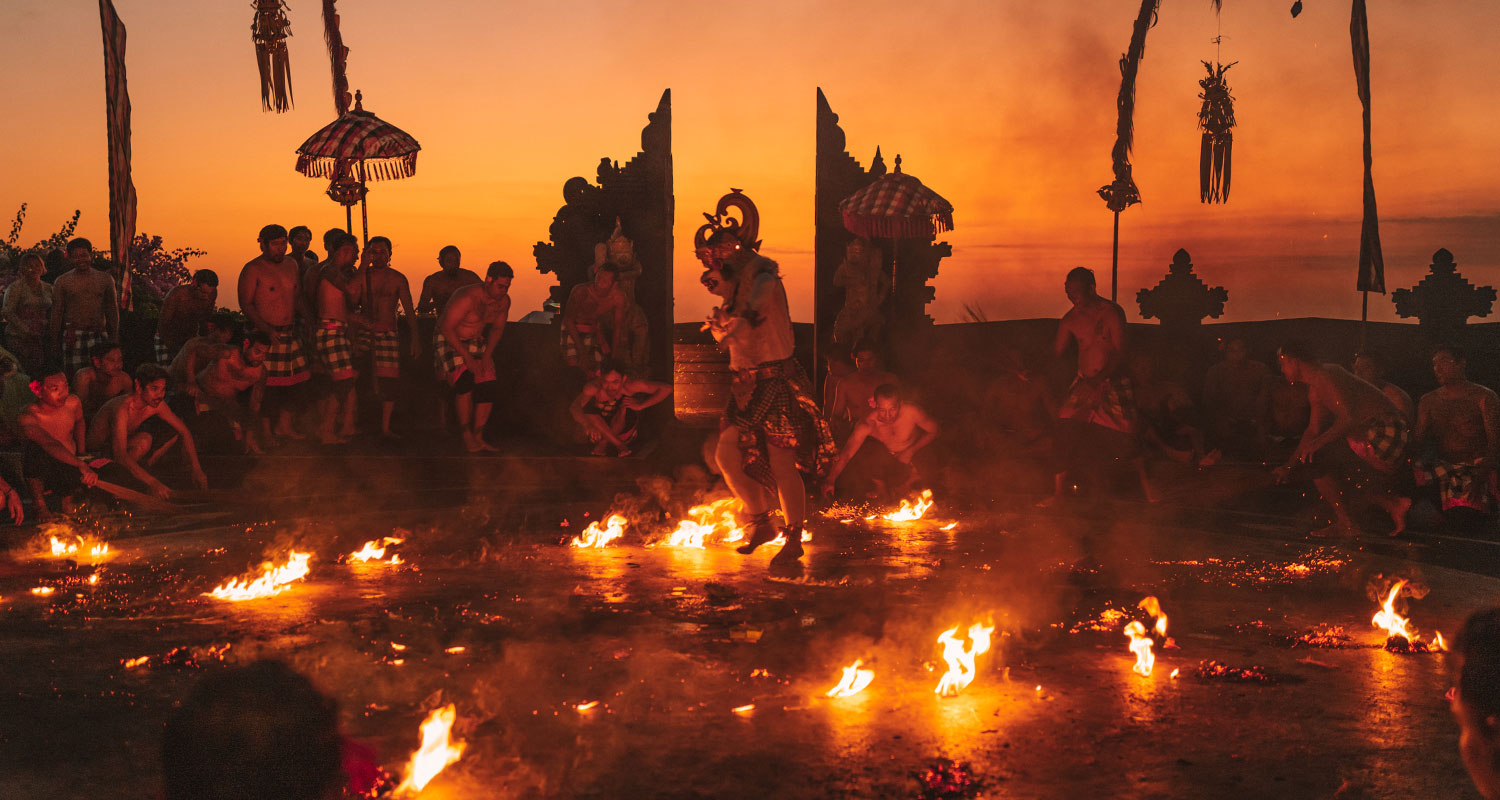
x=1216, y=118
x=269, y=32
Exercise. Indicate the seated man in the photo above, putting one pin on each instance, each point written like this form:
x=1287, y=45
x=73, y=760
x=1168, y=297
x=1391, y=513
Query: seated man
x=1237, y=402
x=902, y=428
x=1370, y=367
x=213, y=338
x=121, y=427
x=1460, y=421
x=1355, y=435
x=608, y=408
x=103, y=379
x=52, y=458
x=1016, y=413
x=1168, y=420
x=229, y=391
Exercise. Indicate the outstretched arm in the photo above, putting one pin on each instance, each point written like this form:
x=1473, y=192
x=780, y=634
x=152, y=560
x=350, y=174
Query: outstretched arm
x=199, y=479
x=642, y=394
x=120, y=441
x=930, y=431
x=856, y=441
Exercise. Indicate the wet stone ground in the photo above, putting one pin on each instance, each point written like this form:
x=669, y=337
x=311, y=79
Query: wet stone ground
x=674, y=644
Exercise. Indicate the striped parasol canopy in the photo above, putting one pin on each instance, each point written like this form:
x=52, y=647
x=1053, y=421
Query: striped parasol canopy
x=359, y=137
x=896, y=206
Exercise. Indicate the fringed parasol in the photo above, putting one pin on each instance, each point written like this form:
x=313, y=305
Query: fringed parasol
x=896, y=206
x=382, y=150
x=355, y=148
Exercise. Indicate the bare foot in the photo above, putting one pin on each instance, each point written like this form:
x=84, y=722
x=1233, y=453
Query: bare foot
x=480, y=445
x=600, y=449
x=288, y=432
x=1211, y=458
x=390, y=436
x=1049, y=501
x=624, y=451
x=1398, y=510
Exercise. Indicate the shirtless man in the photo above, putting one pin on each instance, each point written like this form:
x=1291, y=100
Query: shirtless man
x=335, y=348
x=1097, y=419
x=855, y=392
x=268, y=295
x=237, y=370
x=608, y=408
x=378, y=289
x=1370, y=368
x=310, y=274
x=440, y=285
x=1461, y=421
x=214, y=335
x=183, y=311
x=103, y=380
x=52, y=458
x=1356, y=434
x=121, y=427
x=903, y=429
x=1237, y=397
x=591, y=306
x=84, y=308
x=299, y=239
x=465, y=356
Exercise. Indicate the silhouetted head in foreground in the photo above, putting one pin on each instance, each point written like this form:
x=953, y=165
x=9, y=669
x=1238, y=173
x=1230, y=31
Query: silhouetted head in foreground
x=253, y=733
x=1476, y=699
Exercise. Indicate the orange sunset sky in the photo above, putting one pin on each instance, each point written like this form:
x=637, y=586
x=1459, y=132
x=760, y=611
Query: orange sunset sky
x=1006, y=108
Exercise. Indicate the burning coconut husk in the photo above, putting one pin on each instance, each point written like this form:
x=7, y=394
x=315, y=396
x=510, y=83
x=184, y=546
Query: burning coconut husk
x=63, y=542
x=375, y=550
x=1217, y=671
x=1140, y=643
x=1401, y=637
x=911, y=511
x=946, y=779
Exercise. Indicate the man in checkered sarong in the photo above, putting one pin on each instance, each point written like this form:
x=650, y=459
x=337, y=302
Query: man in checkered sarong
x=593, y=320
x=464, y=353
x=378, y=289
x=1460, y=422
x=772, y=432
x=1355, y=440
x=1097, y=420
x=332, y=342
x=267, y=295
x=84, y=308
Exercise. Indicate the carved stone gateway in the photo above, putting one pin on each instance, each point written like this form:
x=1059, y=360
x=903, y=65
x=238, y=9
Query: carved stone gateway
x=838, y=175
x=1181, y=300
x=639, y=195
x=1444, y=300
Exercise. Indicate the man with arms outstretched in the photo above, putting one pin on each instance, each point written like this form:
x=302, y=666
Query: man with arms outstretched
x=902, y=428
x=123, y=426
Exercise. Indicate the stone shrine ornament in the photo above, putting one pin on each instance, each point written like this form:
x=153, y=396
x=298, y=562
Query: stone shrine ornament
x=1444, y=300
x=1182, y=299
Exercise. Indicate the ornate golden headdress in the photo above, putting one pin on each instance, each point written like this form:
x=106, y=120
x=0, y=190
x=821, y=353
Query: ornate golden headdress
x=746, y=228
x=617, y=243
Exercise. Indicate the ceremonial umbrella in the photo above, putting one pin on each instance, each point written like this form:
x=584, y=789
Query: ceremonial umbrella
x=356, y=147
x=896, y=206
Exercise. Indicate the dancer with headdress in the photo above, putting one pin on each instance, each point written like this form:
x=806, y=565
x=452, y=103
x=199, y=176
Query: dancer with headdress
x=771, y=433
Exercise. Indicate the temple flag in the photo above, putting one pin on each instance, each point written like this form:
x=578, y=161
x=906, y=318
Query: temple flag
x=117, y=105
x=1371, y=262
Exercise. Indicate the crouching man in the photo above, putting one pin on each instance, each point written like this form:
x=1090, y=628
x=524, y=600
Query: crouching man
x=608, y=409
x=137, y=428
x=53, y=459
x=902, y=430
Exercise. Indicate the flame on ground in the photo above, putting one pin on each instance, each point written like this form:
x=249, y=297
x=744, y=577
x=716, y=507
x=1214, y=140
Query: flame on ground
x=595, y=536
x=854, y=681
x=909, y=512
x=582, y=707
x=1152, y=606
x=436, y=752
x=1394, y=624
x=960, y=660
x=1140, y=644
x=62, y=542
x=374, y=550
x=273, y=580
x=707, y=521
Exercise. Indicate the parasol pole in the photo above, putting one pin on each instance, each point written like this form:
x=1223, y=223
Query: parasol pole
x=1114, y=263
x=364, y=212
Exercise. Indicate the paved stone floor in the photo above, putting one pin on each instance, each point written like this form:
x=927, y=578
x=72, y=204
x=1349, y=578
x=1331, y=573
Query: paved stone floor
x=670, y=641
